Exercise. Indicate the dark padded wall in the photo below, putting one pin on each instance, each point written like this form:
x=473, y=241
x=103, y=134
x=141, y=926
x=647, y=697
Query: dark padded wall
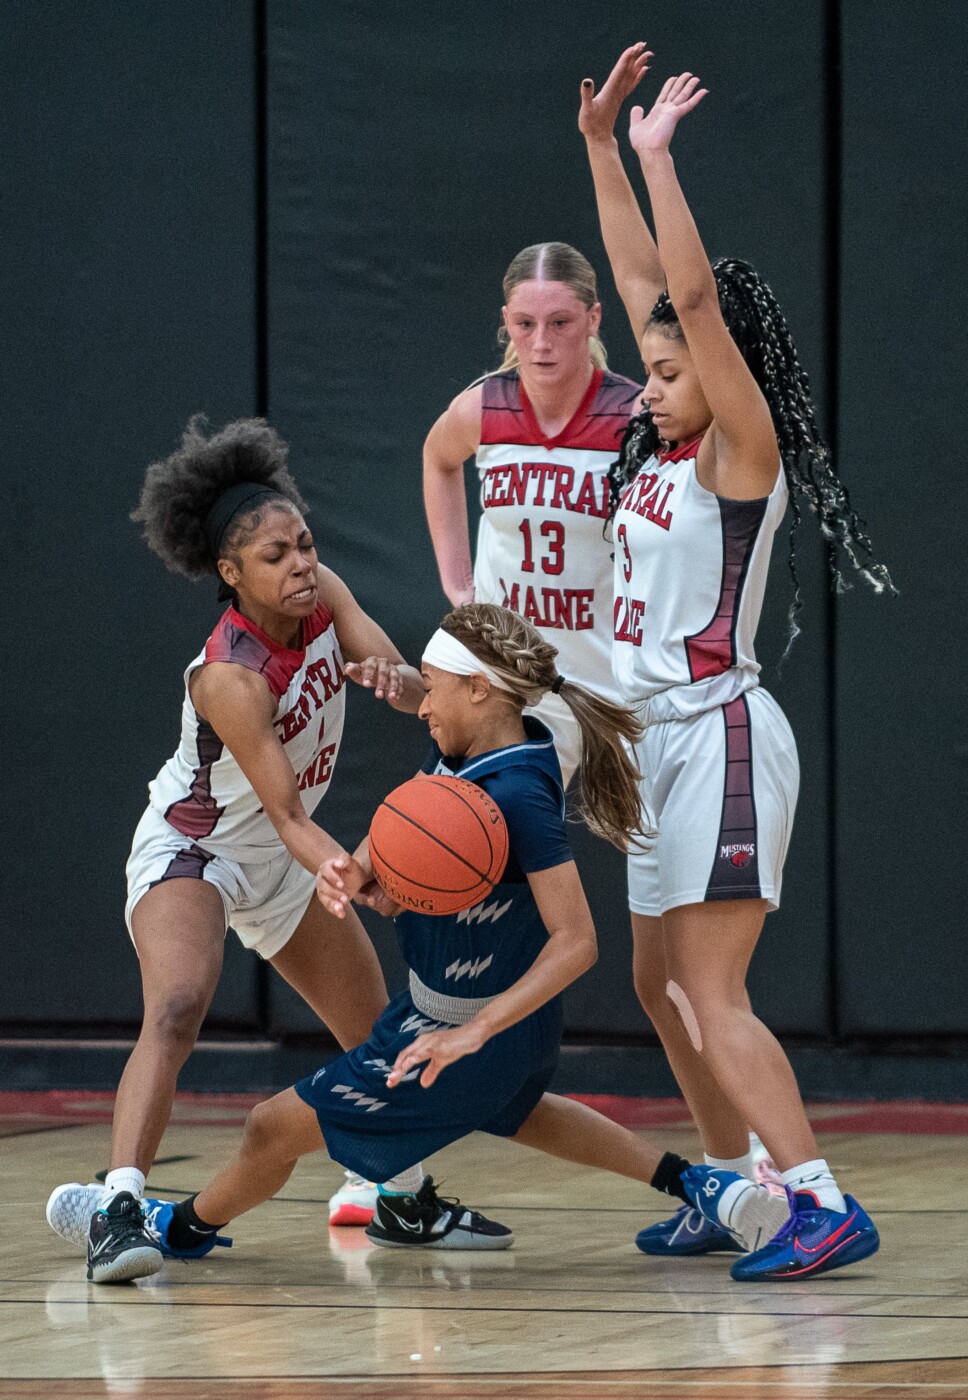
x=413, y=148
x=129, y=255
x=901, y=692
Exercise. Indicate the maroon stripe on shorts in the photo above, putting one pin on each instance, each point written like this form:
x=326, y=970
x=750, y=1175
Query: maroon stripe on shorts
x=186, y=865
x=736, y=871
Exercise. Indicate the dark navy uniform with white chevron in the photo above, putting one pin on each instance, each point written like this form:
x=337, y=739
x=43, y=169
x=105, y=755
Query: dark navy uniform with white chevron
x=470, y=956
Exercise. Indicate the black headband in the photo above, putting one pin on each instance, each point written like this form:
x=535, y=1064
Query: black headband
x=243, y=496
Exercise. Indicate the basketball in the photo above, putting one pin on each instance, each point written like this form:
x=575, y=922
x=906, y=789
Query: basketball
x=438, y=844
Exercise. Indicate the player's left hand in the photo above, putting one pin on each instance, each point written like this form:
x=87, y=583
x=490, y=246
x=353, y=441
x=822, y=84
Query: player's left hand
x=378, y=674
x=439, y=1049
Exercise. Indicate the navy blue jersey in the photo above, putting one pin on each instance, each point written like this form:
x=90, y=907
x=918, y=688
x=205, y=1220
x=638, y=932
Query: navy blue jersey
x=484, y=950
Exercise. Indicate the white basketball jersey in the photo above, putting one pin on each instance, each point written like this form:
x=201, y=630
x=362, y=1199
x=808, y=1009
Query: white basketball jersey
x=202, y=792
x=541, y=547
x=690, y=574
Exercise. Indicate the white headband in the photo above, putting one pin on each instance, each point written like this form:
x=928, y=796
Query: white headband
x=449, y=654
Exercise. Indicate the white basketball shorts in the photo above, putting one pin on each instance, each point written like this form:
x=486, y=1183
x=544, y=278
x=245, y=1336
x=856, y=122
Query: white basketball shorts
x=553, y=712
x=263, y=900
x=720, y=789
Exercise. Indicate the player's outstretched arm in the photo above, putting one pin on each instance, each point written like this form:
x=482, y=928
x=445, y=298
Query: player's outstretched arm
x=240, y=707
x=746, y=450
x=631, y=249
x=570, y=951
x=454, y=437
x=371, y=658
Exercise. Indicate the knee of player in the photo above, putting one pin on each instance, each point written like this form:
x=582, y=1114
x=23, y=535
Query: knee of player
x=259, y=1133
x=651, y=985
x=177, y=1018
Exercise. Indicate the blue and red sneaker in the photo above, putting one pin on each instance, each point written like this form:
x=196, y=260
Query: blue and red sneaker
x=813, y=1241
x=157, y=1218
x=687, y=1232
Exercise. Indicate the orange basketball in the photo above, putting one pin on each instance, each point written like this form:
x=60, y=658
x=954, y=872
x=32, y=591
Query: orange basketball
x=438, y=844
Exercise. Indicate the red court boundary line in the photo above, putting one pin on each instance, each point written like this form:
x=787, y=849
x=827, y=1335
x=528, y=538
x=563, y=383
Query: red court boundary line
x=21, y=1111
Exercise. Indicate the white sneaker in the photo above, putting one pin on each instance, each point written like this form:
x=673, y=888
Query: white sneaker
x=354, y=1202
x=70, y=1208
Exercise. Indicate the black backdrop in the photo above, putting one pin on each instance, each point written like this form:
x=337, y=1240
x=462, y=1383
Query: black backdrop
x=306, y=211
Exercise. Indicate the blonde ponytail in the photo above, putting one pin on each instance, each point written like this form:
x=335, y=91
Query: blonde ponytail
x=611, y=806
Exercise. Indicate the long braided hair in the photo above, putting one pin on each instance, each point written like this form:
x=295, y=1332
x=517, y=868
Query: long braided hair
x=516, y=650
x=757, y=325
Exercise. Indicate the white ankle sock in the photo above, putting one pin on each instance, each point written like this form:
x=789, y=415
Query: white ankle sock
x=817, y=1178
x=752, y=1213
x=406, y=1183
x=124, y=1179
x=743, y=1165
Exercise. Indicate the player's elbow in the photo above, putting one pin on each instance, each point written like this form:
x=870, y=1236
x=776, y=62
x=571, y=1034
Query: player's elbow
x=696, y=298
x=585, y=954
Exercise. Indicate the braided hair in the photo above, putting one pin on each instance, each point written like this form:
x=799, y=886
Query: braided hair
x=515, y=649
x=757, y=325
x=179, y=491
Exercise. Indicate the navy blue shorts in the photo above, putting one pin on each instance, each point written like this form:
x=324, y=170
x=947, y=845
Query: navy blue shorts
x=379, y=1132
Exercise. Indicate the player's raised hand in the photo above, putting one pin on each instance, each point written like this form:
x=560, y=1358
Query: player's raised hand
x=378, y=674
x=653, y=131
x=438, y=1049
x=596, y=118
x=338, y=880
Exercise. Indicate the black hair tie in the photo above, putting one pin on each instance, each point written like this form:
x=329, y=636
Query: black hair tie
x=556, y=684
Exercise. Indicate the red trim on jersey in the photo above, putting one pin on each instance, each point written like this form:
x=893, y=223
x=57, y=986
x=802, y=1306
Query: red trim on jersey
x=575, y=422
x=237, y=639
x=684, y=451
x=712, y=650
x=507, y=416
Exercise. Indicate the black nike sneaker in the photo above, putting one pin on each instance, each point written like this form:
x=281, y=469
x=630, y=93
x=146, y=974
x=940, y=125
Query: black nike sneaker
x=427, y=1221
x=117, y=1247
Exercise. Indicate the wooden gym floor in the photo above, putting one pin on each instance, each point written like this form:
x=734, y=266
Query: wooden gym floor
x=572, y=1311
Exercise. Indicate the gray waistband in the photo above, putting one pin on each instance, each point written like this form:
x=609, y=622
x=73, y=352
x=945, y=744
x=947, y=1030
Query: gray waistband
x=456, y=1011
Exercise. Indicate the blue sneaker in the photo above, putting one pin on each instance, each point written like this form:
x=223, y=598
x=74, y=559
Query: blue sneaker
x=813, y=1241
x=157, y=1220
x=686, y=1232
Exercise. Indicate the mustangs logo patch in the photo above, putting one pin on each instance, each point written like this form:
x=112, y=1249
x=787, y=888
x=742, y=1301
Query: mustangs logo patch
x=738, y=855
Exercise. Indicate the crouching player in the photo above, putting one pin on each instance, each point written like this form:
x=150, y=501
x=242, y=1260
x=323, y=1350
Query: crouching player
x=441, y=1062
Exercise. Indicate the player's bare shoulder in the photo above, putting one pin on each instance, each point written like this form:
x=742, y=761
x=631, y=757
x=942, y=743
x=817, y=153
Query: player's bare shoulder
x=456, y=434
x=221, y=689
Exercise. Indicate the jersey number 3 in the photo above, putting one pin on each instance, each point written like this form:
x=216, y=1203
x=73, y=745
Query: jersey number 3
x=553, y=562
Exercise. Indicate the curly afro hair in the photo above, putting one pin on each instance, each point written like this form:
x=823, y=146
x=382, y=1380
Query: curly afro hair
x=179, y=492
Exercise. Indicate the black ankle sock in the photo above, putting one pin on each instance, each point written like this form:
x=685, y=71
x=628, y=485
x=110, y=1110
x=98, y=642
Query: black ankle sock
x=187, y=1228
x=668, y=1176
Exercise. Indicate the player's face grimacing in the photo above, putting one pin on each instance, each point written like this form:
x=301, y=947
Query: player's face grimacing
x=450, y=710
x=274, y=571
x=672, y=393
x=549, y=327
